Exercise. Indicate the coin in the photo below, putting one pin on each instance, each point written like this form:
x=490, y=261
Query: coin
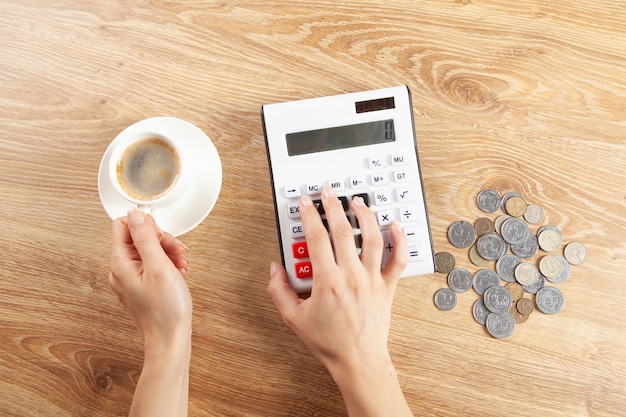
x=514, y=231
x=505, y=267
x=549, y=239
x=488, y=201
x=536, y=286
x=491, y=247
x=550, y=266
x=528, y=248
x=506, y=198
x=550, y=300
x=525, y=306
x=483, y=279
x=500, y=325
x=445, y=299
x=498, y=223
x=444, y=262
x=484, y=225
x=516, y=290
x=497, y=299
x=460, y=280
x=476, y=258
x=534, y=214
x=515, y=206
x=576, y=253
x=461, y=234
x=518, y=317
x=479, y=311
x=526, y=273
x=565, y=271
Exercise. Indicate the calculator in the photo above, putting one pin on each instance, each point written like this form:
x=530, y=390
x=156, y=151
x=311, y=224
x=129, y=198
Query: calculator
x=360, y=144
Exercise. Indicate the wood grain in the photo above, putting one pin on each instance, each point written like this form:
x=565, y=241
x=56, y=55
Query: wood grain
x=523, y=96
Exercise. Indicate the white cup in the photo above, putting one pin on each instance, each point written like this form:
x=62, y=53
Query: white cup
x=146, y=152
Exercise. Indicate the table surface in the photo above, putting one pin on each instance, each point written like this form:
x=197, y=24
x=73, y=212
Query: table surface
x=513, y=96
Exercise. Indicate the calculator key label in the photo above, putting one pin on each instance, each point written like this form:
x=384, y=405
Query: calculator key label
x=300, y=250
x=304, y=270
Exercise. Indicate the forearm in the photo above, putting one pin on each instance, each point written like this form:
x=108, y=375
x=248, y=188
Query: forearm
x=371, y=388
x=163, y=387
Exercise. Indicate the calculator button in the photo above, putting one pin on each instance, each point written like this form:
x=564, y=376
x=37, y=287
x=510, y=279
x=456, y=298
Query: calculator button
x=300, y=250
x=384, y=217
x=337, y=185
x=297, y=230
x=314, y=188
x=357, y=182
x=382, y=198
x=408, y=214
x=404, y=195
x=377, y=162
x=415, y=254
x=398, y=159
x=293, y=211
x=411, y=233
x=344, y=203
x=387, y=247
x=293, y=191
x=304, y=270
x=400, y=176
x=379, y=178
x=365, y=197
x=318, y=205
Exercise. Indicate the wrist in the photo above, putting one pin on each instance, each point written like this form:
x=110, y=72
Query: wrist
x=173, y=347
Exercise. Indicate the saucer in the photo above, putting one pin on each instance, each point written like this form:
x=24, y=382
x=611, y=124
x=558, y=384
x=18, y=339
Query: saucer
x=202, y=192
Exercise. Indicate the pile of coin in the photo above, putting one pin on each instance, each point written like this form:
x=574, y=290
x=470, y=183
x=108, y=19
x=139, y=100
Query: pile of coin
x=509, y=243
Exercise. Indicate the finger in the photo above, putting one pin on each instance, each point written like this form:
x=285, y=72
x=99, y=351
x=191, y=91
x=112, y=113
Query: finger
x=123, y=251
x=340, y=228
x=146, y=239
x=284, y=297
x=171, y=245
x=372, y=245
x=318, y=242
x=400, y=256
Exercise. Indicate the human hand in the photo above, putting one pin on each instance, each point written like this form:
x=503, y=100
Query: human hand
x=147, y=268
x=345, y=322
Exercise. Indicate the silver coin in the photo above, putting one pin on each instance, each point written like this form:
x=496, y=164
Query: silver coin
x=549, y=239
x=461, y=234
x=536, y=286
x=500, y=325
x=526, y=273
x=491, y=247
x=483, y=279
x=534, y=214
x=528, y=248
x=505, y=267
x=514, y=231
x=460, y=280
x=480, y=312
x=565, y=271
x=549, y=300
x=445, y=299
x=497, y=299
x=506, y=197
x=498, y=222
x=488, y=201
x=576, y=253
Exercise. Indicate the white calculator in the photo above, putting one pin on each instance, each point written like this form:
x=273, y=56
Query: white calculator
x=359, y=144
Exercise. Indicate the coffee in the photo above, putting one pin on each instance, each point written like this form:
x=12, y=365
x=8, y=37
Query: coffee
x=148, y=169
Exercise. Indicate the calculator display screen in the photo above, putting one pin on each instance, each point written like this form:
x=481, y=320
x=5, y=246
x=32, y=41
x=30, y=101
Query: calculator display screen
x=340, y=137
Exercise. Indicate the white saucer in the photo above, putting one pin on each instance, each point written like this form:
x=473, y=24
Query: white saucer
x=202, y=192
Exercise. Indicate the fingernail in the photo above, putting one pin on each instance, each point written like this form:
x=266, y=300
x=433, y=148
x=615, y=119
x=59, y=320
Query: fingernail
x=328, y=192
x=358, y=201
x=272, y=268
x=181, y=244
x=306, y=200
x=136, y=218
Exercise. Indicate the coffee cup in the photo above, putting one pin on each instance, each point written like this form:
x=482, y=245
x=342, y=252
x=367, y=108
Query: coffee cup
x=148, y=169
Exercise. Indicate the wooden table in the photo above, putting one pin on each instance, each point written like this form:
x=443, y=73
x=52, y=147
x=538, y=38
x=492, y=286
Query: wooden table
x=514, y=96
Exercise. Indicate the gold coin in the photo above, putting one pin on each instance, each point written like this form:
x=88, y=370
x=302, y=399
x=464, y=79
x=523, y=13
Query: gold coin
x=444, y=262
x=483, y=225
x=476, y=258
x=526, y=273
x=576, y=253
x=525, y=306
x=518, y=317
x=550, y=266
x=516, y=206
x=516, y=290
x=549, y=240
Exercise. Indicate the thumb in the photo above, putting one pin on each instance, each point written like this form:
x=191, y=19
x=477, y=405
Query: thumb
x=284, y=297
x=145, y=238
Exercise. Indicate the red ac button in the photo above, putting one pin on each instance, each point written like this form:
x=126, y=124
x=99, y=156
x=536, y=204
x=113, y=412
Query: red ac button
x=300, y=250
x=304, y=270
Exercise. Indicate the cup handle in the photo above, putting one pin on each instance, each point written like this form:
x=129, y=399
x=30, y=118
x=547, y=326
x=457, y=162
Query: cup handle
x=145, y=208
